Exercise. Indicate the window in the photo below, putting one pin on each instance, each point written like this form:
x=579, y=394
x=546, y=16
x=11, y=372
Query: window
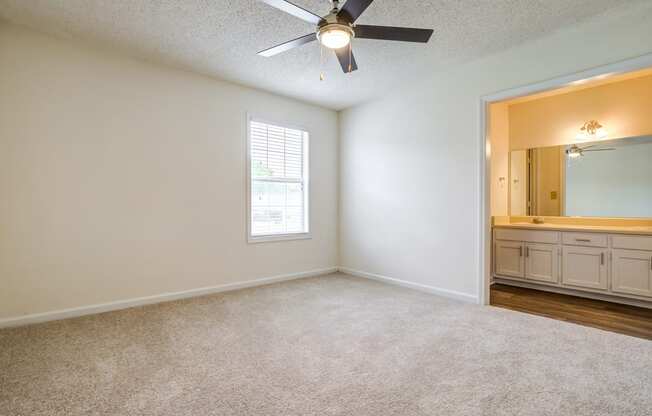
x=278, y=182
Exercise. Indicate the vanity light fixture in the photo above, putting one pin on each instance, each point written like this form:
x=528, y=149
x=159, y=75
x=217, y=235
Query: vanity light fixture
x=591, y=131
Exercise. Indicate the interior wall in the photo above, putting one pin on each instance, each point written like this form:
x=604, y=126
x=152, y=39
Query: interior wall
x=410, y=196
x=623, y=108
x=122, y=179
x=518, y=169
x=499, y=143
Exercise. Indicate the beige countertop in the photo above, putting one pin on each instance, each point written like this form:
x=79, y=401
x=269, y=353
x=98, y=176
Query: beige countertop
x=621, y=229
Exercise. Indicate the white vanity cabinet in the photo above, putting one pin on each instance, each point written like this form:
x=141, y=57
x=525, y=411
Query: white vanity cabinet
x=509, y=258
x=584, y=267
x=529, y=261
x=632, y=265
x=609, y=265
x=541, y=262
x=529, y=255
x=632, y=272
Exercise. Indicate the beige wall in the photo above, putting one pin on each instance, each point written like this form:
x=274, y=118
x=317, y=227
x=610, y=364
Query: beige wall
x=623, y=108
x=499, y=142
x=518, y=192
x=122, y=179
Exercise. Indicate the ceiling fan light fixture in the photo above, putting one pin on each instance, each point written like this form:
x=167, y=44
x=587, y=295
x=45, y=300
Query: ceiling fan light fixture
x=574, y=152
x=335, y=35
x=336, y=30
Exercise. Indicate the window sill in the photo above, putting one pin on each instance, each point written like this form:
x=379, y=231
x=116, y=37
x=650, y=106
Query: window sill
x=279, y=237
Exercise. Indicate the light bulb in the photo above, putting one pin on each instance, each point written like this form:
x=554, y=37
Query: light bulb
x=335, y=38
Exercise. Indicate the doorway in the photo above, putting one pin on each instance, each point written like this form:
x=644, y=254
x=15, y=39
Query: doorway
x=490, y=185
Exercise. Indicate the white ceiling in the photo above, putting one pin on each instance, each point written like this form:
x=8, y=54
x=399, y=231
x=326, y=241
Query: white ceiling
x=220, y=38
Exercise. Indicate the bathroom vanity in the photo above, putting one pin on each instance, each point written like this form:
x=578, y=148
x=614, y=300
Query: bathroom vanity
x=610, y=262
x=580, y=220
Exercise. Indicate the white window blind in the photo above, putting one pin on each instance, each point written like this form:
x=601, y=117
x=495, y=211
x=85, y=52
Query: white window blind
x=278, y=180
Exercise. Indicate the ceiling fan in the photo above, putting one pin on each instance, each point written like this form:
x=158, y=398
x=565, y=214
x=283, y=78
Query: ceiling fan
x=575, y=151
x=337, y=28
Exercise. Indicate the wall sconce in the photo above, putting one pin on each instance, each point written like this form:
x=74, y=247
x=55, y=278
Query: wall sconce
x=591, y=131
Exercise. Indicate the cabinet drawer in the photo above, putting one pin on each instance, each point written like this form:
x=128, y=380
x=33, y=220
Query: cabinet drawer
x=631, y=242
x=584, y=239
x=531, y=236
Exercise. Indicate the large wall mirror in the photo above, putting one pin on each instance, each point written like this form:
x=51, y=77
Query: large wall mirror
x=608, y=178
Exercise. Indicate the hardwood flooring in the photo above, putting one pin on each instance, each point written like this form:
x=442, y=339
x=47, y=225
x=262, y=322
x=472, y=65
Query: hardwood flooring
x=624, y=319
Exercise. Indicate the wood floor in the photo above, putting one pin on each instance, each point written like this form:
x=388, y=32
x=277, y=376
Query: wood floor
x=624, y=319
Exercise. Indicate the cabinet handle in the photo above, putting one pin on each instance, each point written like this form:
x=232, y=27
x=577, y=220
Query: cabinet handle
x=583, y=240
x=520, y=251
x=602, y=258
x=527, y=251
x=650, y=262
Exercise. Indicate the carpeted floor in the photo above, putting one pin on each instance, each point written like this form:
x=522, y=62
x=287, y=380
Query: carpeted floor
x=332, y=345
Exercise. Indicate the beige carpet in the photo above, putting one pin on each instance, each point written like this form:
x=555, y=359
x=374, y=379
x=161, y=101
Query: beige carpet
x=333, y=345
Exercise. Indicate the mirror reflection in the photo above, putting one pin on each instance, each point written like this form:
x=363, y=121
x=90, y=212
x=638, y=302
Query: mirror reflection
x=608, y=178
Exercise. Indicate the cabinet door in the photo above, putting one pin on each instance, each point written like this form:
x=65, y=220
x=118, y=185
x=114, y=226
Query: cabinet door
x=632, y=272
x=584, y=267
x=509, y=258
x=541, y=262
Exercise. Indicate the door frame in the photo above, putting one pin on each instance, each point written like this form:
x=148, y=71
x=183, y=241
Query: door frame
x=484, y=159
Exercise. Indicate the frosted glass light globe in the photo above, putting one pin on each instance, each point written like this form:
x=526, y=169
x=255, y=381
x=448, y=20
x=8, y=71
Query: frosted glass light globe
x=335, y=36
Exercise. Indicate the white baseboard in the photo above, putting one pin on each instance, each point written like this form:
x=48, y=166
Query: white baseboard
x=147, y=300
x=464, y=297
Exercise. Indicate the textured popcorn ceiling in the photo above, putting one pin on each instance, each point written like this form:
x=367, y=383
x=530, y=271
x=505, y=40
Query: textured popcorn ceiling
x=220, y=38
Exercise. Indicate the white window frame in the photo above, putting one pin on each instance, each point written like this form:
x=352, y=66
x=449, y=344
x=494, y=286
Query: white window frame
x=306, y=183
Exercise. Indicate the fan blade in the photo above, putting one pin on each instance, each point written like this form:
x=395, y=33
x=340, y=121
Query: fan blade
x=286, y=46
x=589, y=146
x=599, y=150
x=352, y=9
x=294, y=10
x=405, y=34
x=343, y=55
